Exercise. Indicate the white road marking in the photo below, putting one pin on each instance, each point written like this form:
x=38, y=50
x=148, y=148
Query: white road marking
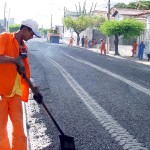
x=110, y=59
x=129, y=82
x=117, y=132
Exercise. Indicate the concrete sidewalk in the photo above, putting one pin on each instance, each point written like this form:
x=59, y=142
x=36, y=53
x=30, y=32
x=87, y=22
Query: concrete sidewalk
x=124, y=54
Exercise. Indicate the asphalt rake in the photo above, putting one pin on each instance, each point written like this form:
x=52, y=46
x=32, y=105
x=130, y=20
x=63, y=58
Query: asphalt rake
x=66, y=142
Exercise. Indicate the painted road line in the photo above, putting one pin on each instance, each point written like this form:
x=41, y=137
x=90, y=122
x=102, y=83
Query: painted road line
x=117, y=132
x=127, y=81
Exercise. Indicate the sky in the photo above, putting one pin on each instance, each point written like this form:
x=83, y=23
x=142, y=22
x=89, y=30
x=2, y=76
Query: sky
x=43, y=11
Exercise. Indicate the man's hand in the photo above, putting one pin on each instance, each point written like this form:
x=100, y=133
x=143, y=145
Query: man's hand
x=38, y=97
x=20, y=65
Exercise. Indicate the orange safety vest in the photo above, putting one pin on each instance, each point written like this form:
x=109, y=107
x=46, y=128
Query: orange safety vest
x=103, y=46
x=134, y=46
x=8, y=72
x=71, y=40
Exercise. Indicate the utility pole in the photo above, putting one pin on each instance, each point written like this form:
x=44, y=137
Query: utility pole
x=63, y=22
x=51, y=21
x=8, y=21
x=108, y=10
x=108, y=38
x=5, y=21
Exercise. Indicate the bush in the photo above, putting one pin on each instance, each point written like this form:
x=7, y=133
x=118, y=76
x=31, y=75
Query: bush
x=14, y=27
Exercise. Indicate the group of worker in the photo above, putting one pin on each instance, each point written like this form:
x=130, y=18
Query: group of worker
x=86, y=43
x=141, y=48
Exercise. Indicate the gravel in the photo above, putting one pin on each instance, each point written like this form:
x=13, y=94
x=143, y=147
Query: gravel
x=42, y=134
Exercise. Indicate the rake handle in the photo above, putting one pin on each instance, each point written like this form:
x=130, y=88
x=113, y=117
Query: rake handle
x=34, y=90
x=54, y=121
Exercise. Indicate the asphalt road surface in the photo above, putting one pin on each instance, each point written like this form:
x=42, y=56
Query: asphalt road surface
x=101, y=101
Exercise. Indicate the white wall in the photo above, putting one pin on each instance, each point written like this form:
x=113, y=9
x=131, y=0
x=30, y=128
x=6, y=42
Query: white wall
x=68, y=34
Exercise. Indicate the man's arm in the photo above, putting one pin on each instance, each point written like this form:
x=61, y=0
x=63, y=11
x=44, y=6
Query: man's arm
x=17, y=61
x=7, y=59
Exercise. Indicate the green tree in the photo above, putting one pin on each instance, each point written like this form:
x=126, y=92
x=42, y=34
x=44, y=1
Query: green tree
x=120, y=5
x=14, y=27
x=43, y=31
x=142, y=4
x=127, y=28
x=82, y=22
x=132, y=5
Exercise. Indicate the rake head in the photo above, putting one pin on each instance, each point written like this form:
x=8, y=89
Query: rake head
x=66, y=142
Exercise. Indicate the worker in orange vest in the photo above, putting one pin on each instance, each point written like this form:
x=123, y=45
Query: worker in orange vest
x=13, y=88
x=86, y=42
x=102, y=47
x=134, y=47
x=71, y=42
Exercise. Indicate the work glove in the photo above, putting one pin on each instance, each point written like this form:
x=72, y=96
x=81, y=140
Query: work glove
x=20, y=65
x=38, y=97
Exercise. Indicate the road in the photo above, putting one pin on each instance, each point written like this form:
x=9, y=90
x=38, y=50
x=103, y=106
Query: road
x=102, y=101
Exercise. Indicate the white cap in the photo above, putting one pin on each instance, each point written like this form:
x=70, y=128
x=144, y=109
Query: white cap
x=33, y=25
